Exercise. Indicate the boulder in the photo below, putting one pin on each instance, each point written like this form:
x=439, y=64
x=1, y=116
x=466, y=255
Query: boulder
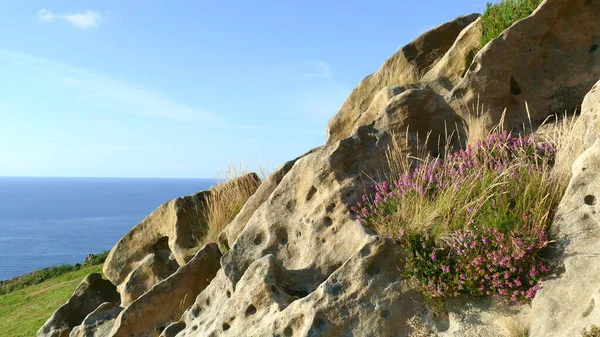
x=549, y=60
x=99, y=322
x=404, y=67
x=166, y=239
x=567, y=303
x=90, y=293
x=166, y=301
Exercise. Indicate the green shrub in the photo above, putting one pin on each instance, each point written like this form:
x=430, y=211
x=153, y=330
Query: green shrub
x=593, y=332
x=499, y=16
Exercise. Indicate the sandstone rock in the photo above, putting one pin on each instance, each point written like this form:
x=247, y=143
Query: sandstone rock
x=402, y=68
x=231, y=232
x=302, y=262
x=151, y=270
x=569, y=302
x=549, y=60
x=423, y=112
x=590, y=110
x=167, y=300
x=99, y=322
x=90, y=293
x=364, y=297
x=169, y=237
x=448, y=72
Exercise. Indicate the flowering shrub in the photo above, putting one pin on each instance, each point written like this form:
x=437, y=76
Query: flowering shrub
x=474, y=222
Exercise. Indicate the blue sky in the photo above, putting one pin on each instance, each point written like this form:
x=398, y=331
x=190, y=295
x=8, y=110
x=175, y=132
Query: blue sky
x=183, y=89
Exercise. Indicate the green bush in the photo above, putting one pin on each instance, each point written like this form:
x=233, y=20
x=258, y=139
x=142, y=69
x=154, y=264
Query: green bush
x=499, y=16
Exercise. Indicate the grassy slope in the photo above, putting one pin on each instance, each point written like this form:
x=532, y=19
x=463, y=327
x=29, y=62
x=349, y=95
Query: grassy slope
x=23, y=312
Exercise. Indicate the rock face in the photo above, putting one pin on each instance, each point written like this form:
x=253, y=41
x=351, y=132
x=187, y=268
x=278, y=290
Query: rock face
x=165, y=240
x=99, y=322
x=452, y=67
x=569, y=302
x=302, y=265
x=402, y=68
x=91, y=293
x=549, y=60
x=165, y=302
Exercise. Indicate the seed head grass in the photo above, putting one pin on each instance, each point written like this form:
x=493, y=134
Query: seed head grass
x=235, y=186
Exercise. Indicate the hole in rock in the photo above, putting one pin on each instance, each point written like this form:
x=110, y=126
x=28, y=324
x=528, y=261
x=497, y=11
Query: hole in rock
x=226, y=326
x=373, y=269
x=588, y=310
x=194, y=328
x=282, y=236
x=274, y=290
x=258, y=239
x=515, y=89
x=288, y=331
x=208, y=301
x=251, y=310
x=589, y=200
x=330, y=208
x=328, y=222
x=385, y=314
x=593, y=48
x=196, y=311
x=228, y=294
x=311, y=193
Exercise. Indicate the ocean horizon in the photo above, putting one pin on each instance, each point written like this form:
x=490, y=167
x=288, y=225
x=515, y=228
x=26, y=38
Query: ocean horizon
x=47, y=221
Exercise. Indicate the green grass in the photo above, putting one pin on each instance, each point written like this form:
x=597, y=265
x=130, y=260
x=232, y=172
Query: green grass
x=41, y=275
x=499, y=16
x=24, y=311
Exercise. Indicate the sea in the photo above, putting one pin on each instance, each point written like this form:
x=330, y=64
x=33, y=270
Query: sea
x=52, y=221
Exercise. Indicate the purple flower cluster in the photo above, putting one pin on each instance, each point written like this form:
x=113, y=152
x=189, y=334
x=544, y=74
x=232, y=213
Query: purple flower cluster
x=501, y=152
x=485, y=256
x=479, y=262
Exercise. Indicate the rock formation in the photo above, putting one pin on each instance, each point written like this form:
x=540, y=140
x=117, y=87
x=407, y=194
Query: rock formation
x=89, y=295
x=295, y=262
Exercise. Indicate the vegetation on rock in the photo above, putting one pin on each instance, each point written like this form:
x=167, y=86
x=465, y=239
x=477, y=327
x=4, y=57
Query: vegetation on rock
x=499, y=16
x=41, y=275
x=473, y=223
x=593, y=332
x=228, y=199
x=24, y=311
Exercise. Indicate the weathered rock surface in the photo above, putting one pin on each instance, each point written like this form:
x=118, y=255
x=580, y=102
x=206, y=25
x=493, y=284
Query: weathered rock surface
x=165, y=301
x=99, y=322
x=549, y=60
x=569, y=302
x=165, y=240
x=91, y=293
x=448, y=72
x=302, y=265
x=402, y=68
x=231, y=232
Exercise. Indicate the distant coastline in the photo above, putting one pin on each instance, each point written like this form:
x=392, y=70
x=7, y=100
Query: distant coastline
x=49, y=221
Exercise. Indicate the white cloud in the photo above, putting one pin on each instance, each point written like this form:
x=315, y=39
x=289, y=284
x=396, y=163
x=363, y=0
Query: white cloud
x=84, y=20
x=107, y=92
x=46, y=15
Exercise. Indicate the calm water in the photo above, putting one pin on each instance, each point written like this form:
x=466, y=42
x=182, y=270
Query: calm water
x=48, y=221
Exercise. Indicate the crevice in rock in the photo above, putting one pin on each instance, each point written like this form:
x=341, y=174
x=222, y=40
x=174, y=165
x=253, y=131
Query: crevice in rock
x=515, y=89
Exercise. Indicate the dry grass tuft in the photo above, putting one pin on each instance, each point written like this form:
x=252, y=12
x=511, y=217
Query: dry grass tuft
x=513, y=326
x=593, y=332
x=235, y=186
